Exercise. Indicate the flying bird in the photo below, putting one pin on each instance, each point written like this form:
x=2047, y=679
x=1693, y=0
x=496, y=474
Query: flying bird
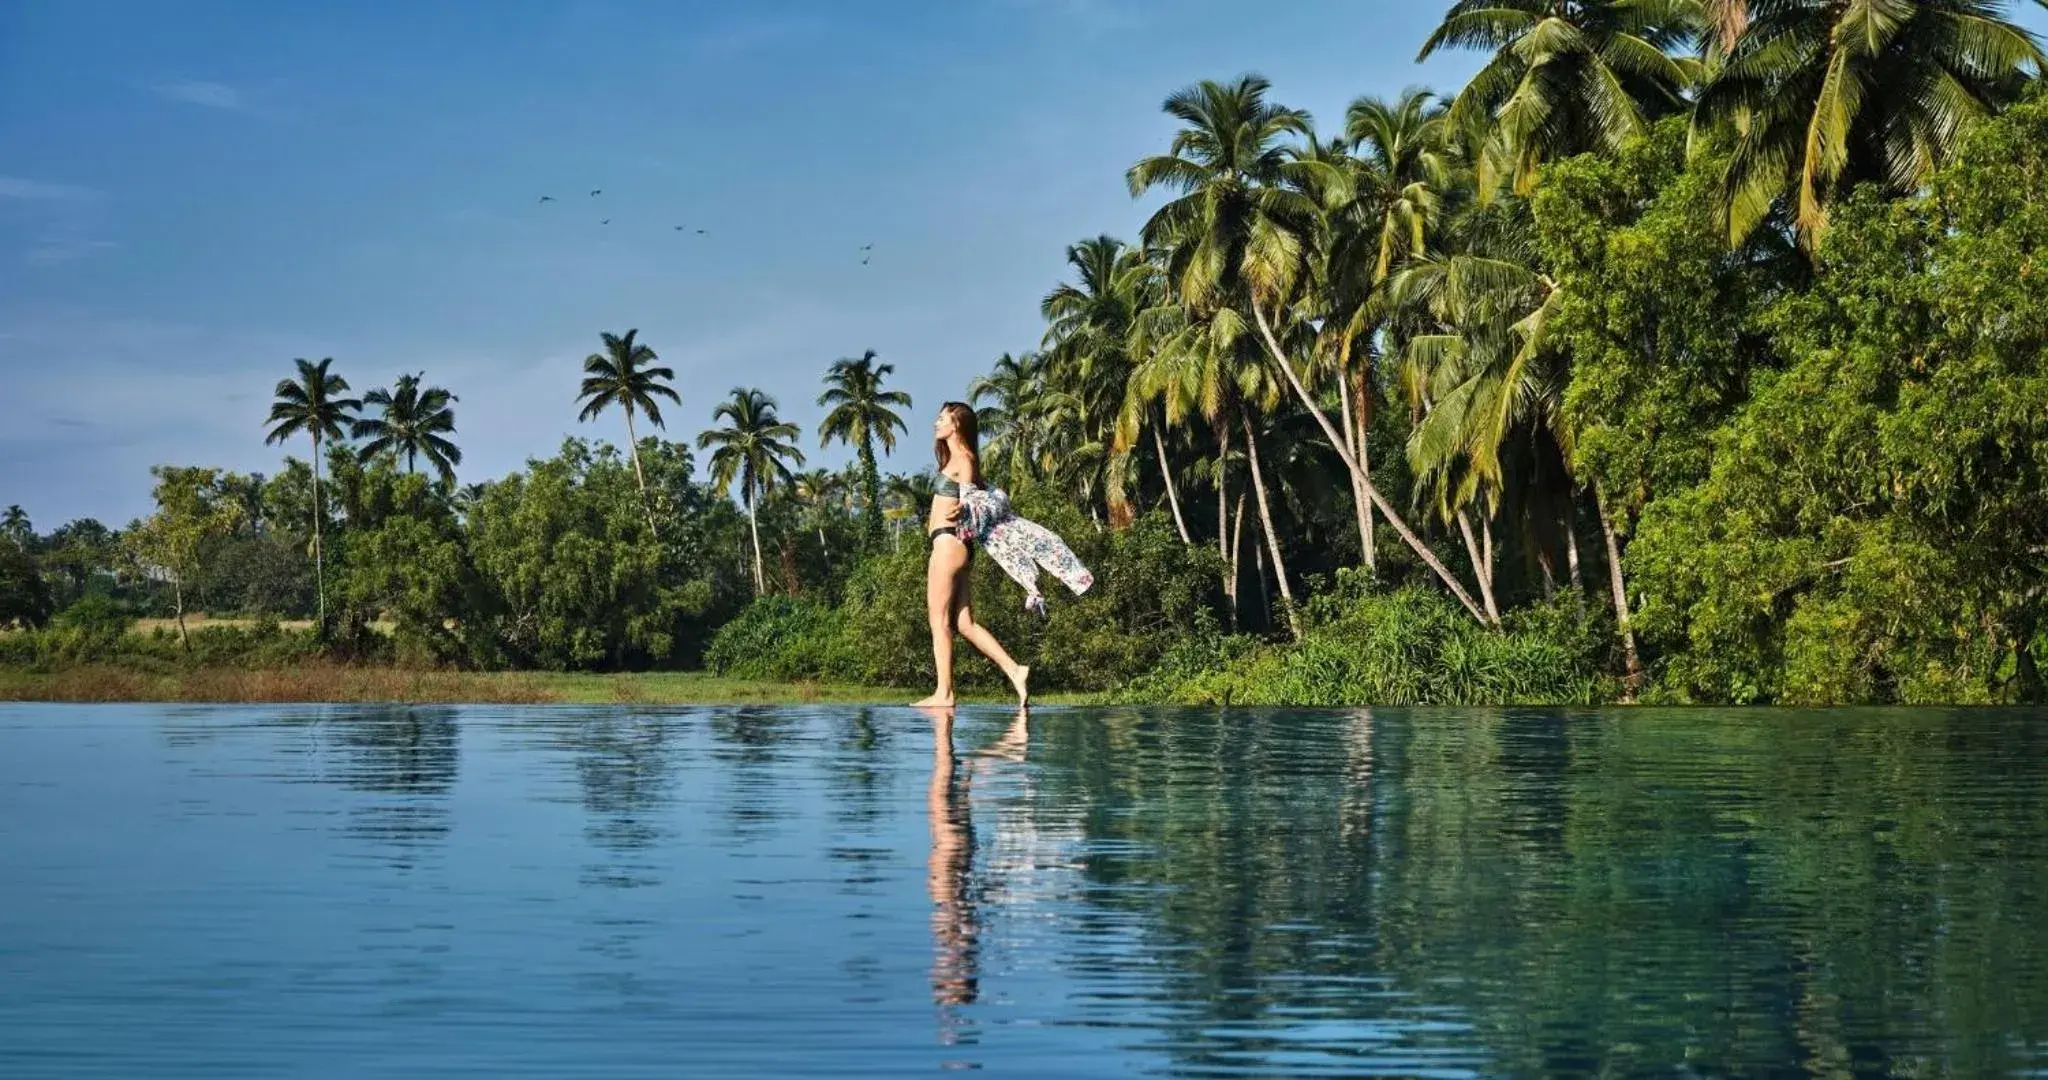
x=679, y=228
x=547, y=198
x=701, y=232
x=864, y=262
x=604, y=221
x=595, y=192
x=867, y=247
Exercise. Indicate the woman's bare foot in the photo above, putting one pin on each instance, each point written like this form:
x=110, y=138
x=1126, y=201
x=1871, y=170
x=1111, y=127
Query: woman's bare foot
x=936, y=701
x=1021, y=679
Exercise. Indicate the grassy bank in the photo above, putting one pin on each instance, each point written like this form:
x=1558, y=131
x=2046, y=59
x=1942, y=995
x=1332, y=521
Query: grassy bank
x=325, y=683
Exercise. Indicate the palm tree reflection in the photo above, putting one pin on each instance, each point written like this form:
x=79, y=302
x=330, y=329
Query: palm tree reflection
x=407, y=758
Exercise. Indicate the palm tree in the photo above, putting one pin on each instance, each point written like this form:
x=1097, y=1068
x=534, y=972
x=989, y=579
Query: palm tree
x=908, y=495
x=863, y=414
x=623, y=375
x=1566, y=78
x=14, y=525
x=1088, y=330
x=820, y=489
x=1015, y=424
x=1476, y=374
x=1237, y=242
x=1174, y=369
x=755, y=448
x=415, y=422
x=1817, y=96
x=313, y=404
x=1382, y=190
x=1407, y=165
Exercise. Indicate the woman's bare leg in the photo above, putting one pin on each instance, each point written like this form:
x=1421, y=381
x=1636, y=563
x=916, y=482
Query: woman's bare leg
x=947, y=558
x=977, y=634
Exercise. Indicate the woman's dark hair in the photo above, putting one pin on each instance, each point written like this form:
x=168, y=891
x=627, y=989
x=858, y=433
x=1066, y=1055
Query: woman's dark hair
x=964, y=426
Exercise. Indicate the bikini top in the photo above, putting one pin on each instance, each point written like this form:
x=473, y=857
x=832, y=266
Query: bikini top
x=948, y=488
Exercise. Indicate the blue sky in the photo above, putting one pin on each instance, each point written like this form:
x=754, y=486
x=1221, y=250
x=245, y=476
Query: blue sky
x=191, y=195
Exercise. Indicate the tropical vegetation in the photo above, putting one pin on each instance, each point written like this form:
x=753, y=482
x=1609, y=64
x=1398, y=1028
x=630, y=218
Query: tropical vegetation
x=1692, y=352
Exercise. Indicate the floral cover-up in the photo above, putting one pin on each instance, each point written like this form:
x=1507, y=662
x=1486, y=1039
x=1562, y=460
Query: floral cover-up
x=1020, y=546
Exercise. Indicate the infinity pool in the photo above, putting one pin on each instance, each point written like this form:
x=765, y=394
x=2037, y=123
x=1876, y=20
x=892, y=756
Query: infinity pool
x=510, y=892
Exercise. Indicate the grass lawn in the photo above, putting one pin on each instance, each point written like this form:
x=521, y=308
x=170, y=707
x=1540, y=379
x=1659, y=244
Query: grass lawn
x=375, y=684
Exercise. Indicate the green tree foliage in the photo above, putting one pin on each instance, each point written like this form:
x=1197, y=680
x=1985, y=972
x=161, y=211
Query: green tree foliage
x=17, y=529
x=755, y=447
x=312, y=405
x=861, y=415
x=414, y=421
x=194, y=507
x=573, y=574
x=1873, y=523
x=24, y=598
x=1565, y=79
x=625, y=375
x=1817, y=96
x=79, y=549
x=405, y=559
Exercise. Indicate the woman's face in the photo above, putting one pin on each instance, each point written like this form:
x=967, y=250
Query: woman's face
x=943, y=426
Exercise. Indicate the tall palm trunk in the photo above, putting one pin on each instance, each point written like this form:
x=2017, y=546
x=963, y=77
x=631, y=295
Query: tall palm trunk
x=1259, y=575
x=1486, y=549
x=1355, y=430
x=1236, y=570
x=633, y=444
x=1172, y=496
x=754, y=527
x=1379, y=501
x=1223, y=543
x=1571, y=557
x=1251, y=440
x=319, y=549
x=1365, y=418
x=1620, y=591
x=1480, y=565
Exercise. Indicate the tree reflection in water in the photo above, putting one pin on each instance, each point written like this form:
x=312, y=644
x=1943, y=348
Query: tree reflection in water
x=626, y=769
x=750, y=744
x=407, y=756
x=1540, y=893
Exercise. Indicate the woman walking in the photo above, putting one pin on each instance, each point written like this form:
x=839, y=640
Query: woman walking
x=948, y=599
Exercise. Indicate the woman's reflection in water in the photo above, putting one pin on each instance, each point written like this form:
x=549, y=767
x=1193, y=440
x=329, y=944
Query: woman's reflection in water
x=950, y=877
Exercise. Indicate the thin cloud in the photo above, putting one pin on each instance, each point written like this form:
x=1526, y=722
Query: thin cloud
x=67, y=250
x=752, y=35
x=211, y=95
x=14, y=187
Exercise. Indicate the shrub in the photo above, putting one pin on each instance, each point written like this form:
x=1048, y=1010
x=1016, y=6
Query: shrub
x=1152, y=594
x=1409, y=646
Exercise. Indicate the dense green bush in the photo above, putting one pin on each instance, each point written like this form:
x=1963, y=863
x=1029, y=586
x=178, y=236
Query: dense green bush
x=1152, y=594
x=100, y=637
x=1410, y=646
x=782, y=637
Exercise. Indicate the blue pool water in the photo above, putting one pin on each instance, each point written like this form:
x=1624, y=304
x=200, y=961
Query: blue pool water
x=510, y=892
